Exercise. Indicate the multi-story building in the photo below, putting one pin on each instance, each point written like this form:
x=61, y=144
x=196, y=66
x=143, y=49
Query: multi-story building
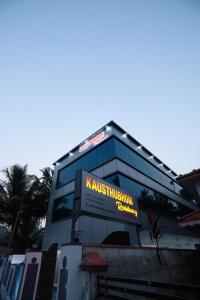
x=114, y=155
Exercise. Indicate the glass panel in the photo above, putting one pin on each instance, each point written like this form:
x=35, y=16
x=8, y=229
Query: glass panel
x=98, y=156
x=138, y=162
x=147, y=198
x=63, y=207
x=114, y=180
x=109, y=150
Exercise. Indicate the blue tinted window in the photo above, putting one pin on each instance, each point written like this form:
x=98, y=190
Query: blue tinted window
x=98, y=156
x=63, y=207
x=109, y=150
x=129, y=156
x=148, y=198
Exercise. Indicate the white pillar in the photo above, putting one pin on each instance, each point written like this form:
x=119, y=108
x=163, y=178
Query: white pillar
x=69, y=280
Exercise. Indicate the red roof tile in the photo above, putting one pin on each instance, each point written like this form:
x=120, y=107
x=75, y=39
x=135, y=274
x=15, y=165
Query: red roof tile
x=193, y=173
x=195, y=215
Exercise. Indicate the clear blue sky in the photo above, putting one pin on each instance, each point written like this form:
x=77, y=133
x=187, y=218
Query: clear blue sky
x=69, y=67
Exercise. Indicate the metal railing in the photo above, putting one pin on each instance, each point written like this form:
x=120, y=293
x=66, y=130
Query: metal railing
x=120, y=288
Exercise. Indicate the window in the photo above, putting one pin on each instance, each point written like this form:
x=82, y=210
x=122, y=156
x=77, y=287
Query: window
x=110, y=149
x=148, y=198
x=63, y=207
x=134, y=159
x=91, y=160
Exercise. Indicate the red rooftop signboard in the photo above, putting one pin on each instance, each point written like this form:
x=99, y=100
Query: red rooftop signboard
x=100, y=137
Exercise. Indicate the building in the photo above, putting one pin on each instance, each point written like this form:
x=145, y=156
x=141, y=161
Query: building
x=191, y=183
x=114, y=155
x=191, y=221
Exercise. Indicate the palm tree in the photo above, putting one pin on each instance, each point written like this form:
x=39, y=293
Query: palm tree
x=23, y=203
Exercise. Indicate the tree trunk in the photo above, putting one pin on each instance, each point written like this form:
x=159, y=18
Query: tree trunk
x=14, y=230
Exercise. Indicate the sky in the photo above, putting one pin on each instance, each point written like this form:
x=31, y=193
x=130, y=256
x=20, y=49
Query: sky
x=69, y=67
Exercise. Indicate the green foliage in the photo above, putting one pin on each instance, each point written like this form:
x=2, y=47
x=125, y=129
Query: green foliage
x=23, y=204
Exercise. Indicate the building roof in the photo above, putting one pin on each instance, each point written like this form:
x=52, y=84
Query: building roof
x=192, y=174
x=191, y=182
x=191, y=220
x=172, y=174
x=195, y=215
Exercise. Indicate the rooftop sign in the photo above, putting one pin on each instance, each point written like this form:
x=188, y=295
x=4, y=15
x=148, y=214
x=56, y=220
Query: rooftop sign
x=100, y=137
x=97, y=197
